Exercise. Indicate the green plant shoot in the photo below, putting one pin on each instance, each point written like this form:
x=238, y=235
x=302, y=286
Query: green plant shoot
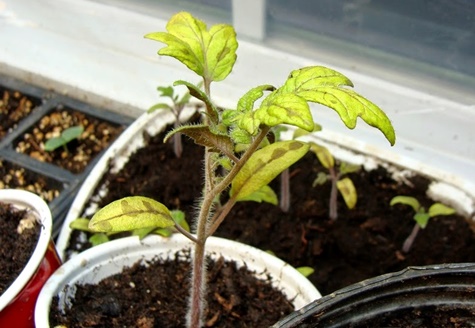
x=336, y=176
x=176, y=108
x=421, y=216
x=235, y=140
x=66, y=136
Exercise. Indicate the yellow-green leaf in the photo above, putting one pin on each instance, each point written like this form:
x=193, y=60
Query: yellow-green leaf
x=209, y=53
x=348, y=191
x=305, y=271
x=131, y=213
x=323, y=155
x=440, y=209
x=81, y=224
x=264, y=165
x=406, y=200
x=265, y=194
x=330, y=88
x=285, y=108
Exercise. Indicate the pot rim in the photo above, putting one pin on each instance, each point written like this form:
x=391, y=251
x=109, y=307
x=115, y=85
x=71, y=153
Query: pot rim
x=128, y=250
x=412, y=287
x=25, y=199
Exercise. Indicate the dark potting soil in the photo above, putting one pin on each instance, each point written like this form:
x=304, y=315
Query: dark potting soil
x=360, y=244
x=15, y=248
x=157, y=296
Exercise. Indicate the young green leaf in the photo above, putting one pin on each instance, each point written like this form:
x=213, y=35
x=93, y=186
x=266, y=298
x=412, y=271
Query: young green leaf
x=98, y=238
x=323, y=155
x=210, y=54
x=406, y=200
x=305, y=271
x=264, y=165
x=327, y=87
x=440, y=209
x=66, y=136
x=348, y=191
x=130, y=213
x=81, y=224
x=284, y=108
x=422, y=219
x=265, y=194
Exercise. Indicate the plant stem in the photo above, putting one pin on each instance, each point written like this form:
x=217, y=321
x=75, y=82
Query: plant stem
x=197, y=301
x=406, y=246
x=333, y=195
x=285, y=190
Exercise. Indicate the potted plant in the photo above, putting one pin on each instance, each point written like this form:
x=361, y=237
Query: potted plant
x=33, y=218
x=239, y=157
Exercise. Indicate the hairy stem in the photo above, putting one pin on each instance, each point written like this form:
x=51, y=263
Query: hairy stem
x=197, y=302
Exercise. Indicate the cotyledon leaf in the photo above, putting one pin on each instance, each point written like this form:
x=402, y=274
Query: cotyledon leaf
x=131, y=213
x=264, y=165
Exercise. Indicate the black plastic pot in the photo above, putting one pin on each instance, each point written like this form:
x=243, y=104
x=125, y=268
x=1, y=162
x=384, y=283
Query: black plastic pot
x=429, y=296
x=66, y=182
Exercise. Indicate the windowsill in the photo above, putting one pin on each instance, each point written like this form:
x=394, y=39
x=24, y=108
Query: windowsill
x=97, y=53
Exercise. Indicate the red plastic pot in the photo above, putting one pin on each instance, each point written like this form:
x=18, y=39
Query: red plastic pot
x=17, y=303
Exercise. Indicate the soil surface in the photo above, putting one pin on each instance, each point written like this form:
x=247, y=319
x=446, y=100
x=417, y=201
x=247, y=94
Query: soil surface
x=15, y=249
x=78, y=153
x=156, y=296
x=14, y=106
x=16, y=177
x=362, y=243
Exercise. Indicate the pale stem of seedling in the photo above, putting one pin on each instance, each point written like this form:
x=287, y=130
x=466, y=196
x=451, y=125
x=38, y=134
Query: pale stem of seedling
x=406, y=246
x=334, y=176
x=285, y=190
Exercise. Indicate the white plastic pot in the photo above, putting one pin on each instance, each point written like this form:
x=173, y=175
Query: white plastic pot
x=18, y=301
x=107, y=259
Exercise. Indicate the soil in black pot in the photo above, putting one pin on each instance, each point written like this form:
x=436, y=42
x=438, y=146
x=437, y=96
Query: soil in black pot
x=157, y=296
x=15, y=248
x=78, y=153
x=14, y=106
x=362, y=243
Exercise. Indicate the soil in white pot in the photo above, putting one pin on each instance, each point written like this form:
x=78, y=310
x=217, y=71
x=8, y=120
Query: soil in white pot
x=15, y=248
x=157, y=296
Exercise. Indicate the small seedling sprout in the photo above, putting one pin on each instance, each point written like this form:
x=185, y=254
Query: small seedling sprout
x=64, y=138
x=336, y=176
x=176, y=108
x=421, y=216
x=211, y=54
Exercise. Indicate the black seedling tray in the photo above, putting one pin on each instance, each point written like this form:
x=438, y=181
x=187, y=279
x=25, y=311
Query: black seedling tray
x=46, y=101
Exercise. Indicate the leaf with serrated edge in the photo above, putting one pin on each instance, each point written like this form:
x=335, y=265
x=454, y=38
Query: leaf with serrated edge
x=210, y=54
x=327, y=87
x=285, y=108
x=131, y=213
x=348, y=191
x=264, y=165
